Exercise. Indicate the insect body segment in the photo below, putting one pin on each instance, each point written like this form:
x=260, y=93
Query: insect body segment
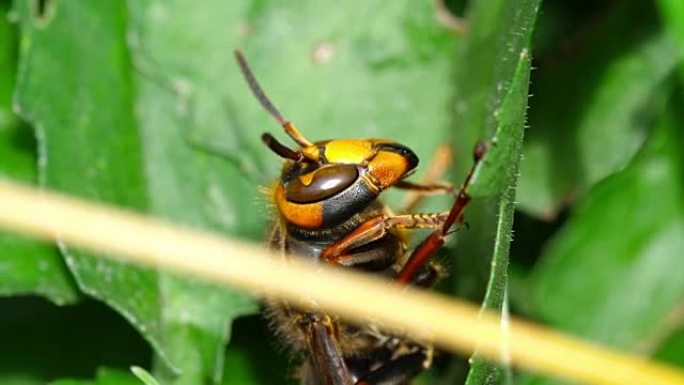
x=328, y=211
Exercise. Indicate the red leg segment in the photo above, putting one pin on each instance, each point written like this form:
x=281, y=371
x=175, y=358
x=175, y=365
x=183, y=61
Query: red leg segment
x=434, y=241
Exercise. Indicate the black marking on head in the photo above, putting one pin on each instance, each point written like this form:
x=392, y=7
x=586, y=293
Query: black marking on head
x=344, y=205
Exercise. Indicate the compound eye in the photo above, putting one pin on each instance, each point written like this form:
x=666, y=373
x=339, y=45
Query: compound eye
x=321, y=183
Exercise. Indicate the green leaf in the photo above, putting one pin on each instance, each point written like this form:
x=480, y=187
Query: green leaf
x=144, y=376
x=672, y=350
x=592, y=109
x=126, y=100
x=330, y=73
x=613, y=273
x=105, y=376
x=492, y=88
x=672, y=12
x=26, y=267
x=78, y=89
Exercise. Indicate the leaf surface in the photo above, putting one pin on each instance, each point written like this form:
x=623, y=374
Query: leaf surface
x=491, y=100
x=26, y=266
x=592, y=107
x=617, y=259
x=78, y=88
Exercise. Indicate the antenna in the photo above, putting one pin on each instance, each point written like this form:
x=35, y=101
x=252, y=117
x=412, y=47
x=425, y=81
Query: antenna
x=258, y=92
x=280, y=149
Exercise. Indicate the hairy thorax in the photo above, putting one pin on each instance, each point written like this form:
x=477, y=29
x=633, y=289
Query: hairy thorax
x=384, y=256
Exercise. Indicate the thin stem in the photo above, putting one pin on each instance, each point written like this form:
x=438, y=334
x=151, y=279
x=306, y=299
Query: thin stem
x=451, y=324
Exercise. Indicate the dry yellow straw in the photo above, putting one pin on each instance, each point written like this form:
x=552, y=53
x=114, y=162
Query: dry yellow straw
x=451, y=324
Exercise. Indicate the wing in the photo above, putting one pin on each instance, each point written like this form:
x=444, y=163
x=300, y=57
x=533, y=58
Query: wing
x=325, y=357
